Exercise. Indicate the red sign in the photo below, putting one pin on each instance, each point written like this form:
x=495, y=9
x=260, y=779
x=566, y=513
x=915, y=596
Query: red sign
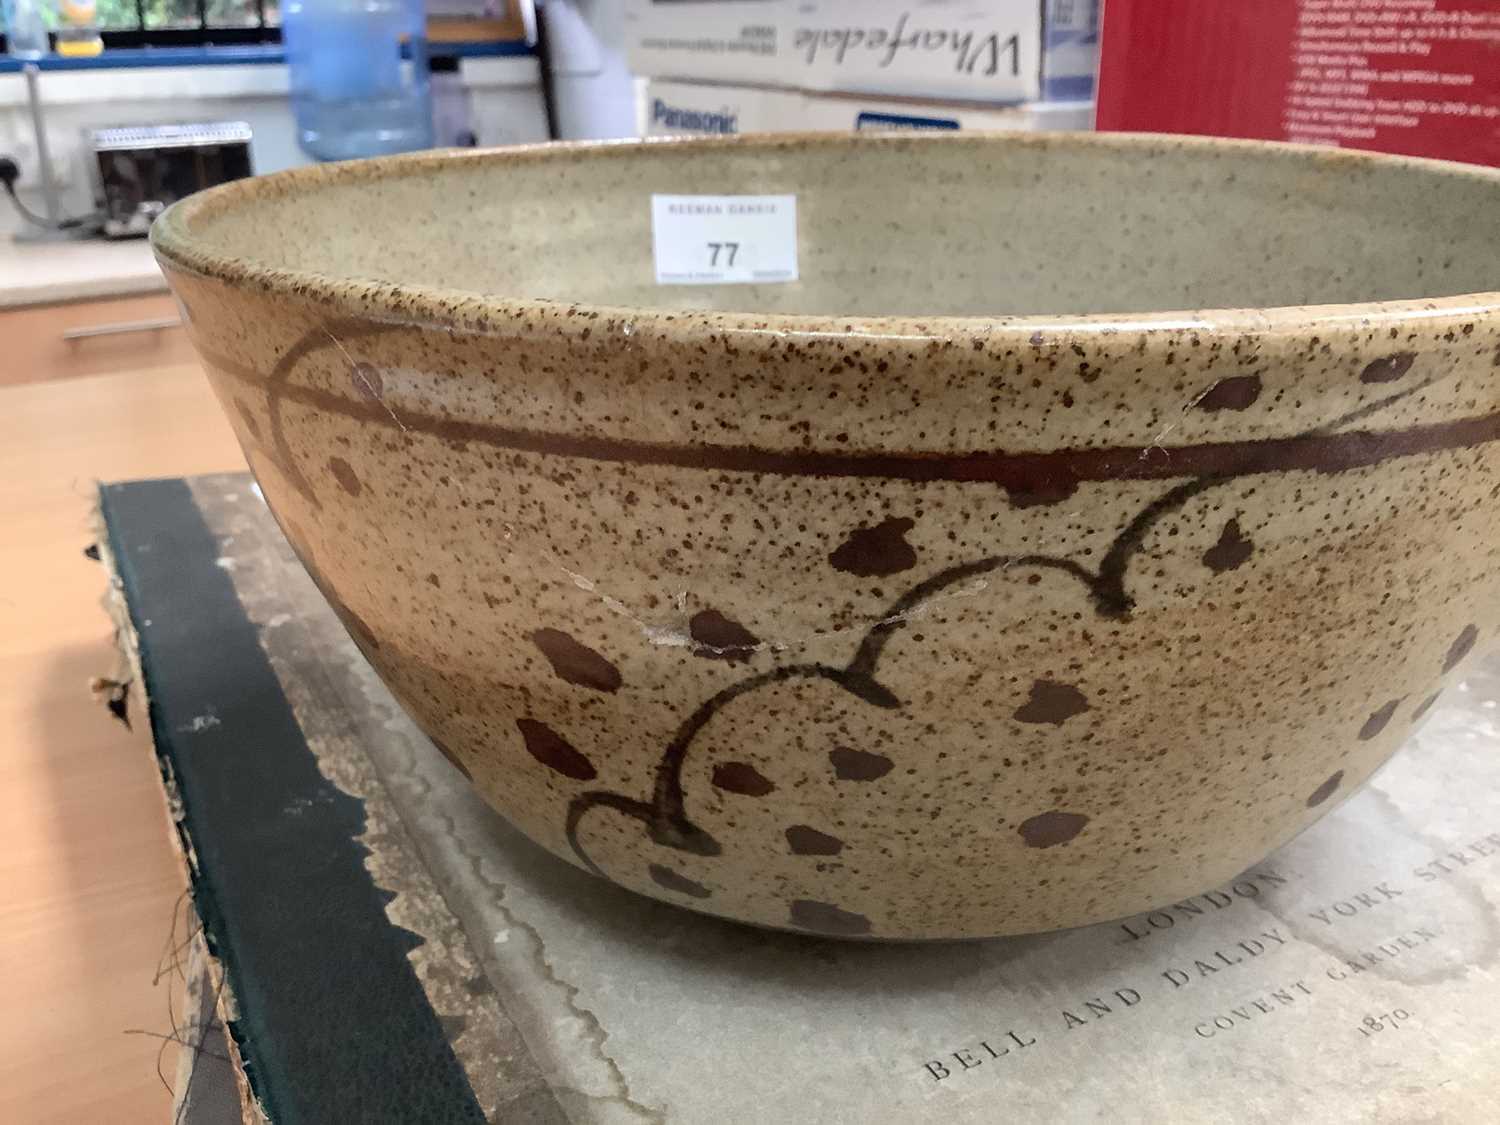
x=1420, y=77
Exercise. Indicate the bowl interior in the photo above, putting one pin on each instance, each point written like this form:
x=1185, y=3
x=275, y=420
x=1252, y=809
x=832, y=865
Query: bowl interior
x=964, y=226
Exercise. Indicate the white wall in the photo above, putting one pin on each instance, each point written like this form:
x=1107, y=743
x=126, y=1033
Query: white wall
x=504, y=97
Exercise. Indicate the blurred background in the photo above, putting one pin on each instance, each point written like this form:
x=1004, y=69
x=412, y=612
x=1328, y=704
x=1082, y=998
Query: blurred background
x=110, y=109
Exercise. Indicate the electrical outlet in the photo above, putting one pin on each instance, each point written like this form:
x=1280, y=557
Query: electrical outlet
x=24, y=154
x=23, y=151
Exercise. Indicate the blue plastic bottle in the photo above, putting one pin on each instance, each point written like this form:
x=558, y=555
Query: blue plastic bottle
x=359, y=76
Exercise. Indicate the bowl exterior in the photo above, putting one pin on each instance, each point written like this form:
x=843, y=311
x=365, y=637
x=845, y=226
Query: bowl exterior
x=953, y=632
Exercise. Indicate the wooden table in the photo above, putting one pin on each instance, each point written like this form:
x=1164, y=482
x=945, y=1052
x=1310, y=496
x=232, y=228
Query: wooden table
x=90, y=880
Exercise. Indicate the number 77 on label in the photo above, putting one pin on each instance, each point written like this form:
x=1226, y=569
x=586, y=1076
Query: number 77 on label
x=724, y=239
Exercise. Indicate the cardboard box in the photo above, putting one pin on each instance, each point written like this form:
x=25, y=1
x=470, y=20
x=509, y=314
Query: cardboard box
x=1420, y=79
x=680, y=109
x=1070, y=49
x=713, y=40
x=981, y=50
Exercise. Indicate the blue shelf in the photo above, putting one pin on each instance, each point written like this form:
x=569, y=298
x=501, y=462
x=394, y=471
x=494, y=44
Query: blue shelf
x=259, y=55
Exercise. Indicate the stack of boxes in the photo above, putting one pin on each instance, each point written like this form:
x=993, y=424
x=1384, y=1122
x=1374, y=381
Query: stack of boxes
x=744, y=66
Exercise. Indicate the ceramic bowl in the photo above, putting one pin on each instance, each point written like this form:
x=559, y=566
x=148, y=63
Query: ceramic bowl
x=968, y=585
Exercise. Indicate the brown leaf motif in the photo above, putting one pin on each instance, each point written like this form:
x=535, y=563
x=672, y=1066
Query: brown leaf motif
x=1231, y=551
x=554, y=751
x=717, y=637
x=873, y=552
x=575, y=662
x=1052, y=702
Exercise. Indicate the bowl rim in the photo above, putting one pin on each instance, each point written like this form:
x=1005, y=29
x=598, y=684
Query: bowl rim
x=177, y=248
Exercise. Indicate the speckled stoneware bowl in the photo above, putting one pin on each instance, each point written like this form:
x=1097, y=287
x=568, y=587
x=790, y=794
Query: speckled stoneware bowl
x=955, y=589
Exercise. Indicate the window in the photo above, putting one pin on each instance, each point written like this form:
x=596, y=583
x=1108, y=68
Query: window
x=184, y=23
x=137, y=23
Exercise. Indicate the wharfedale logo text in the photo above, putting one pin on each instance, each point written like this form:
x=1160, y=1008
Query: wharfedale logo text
x=984, y=55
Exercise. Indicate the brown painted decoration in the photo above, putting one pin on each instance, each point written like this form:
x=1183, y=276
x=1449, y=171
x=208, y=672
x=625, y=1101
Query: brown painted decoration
x=741, y=778
x=1018, y=553
x=825, y=918
x=576, y=662
x=1238, y=392
x=1232, y=550
x=872, y=552
x=1389, y=368
x=248, y=419
x=554, y=751
x=716, y=637
x=1040, y=492
x=1378, y=720
x=344, y=473
x=1326, y=790
x=809, y=841
x=1048, y=829
x=442, y=748
x=362, y=634
x=1051, y=702
x=859, y=765
x=670, y=880
x=1425, y=706
x=1462, y=645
